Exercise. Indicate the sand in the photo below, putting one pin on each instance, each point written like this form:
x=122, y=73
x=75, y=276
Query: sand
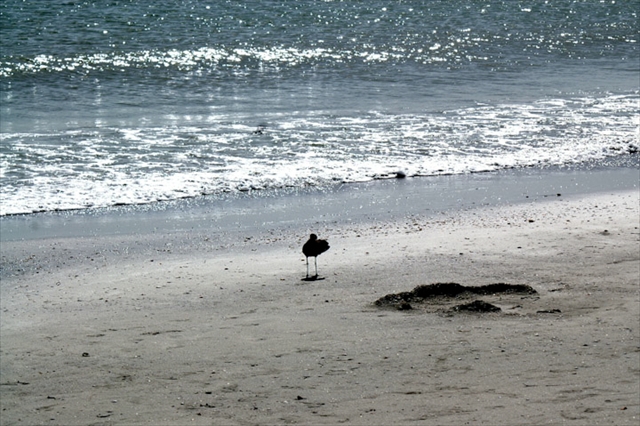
x=233, y=335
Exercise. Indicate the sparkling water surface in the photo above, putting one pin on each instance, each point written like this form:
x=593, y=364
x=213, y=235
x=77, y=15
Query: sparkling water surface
x=110, y=103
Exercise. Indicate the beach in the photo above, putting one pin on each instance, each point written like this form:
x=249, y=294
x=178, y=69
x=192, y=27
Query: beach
x=474, y=167
x=224, y=330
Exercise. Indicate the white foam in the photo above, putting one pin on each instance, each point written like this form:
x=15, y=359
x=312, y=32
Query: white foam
x=107, y=166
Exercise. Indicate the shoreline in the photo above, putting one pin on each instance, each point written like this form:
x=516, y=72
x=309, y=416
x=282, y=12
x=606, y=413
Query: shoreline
x=231, y=335
x=215, y=225
x=55, y=240
x=444, y=192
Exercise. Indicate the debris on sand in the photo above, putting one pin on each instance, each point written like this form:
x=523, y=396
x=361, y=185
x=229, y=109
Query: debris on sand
x=404, y=306
x=423, y=294
x=476, y=306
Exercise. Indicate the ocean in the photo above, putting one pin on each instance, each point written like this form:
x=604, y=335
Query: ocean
x=124, y=102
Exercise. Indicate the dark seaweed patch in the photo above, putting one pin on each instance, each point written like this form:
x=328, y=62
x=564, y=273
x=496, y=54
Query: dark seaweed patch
x=423, y=293
x=476, y=306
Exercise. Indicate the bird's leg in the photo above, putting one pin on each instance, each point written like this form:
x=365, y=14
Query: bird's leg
x=307, y=266
x=316, y=262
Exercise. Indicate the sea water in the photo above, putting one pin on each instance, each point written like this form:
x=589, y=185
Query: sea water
x=128, y=102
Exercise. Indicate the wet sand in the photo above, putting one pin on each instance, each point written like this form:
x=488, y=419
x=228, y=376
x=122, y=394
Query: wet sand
x=197, y=331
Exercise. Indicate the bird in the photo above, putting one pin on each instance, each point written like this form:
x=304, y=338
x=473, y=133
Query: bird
x=313, y=248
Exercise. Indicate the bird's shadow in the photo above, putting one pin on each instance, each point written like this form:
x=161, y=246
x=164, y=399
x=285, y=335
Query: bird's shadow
x=316, y=278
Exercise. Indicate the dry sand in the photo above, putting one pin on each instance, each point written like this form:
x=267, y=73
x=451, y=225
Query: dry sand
x=236, y=337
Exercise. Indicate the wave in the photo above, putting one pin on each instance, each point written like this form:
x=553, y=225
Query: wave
x=106, y=166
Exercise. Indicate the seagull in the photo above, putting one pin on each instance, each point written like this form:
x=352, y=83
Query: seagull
x=313, y=248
